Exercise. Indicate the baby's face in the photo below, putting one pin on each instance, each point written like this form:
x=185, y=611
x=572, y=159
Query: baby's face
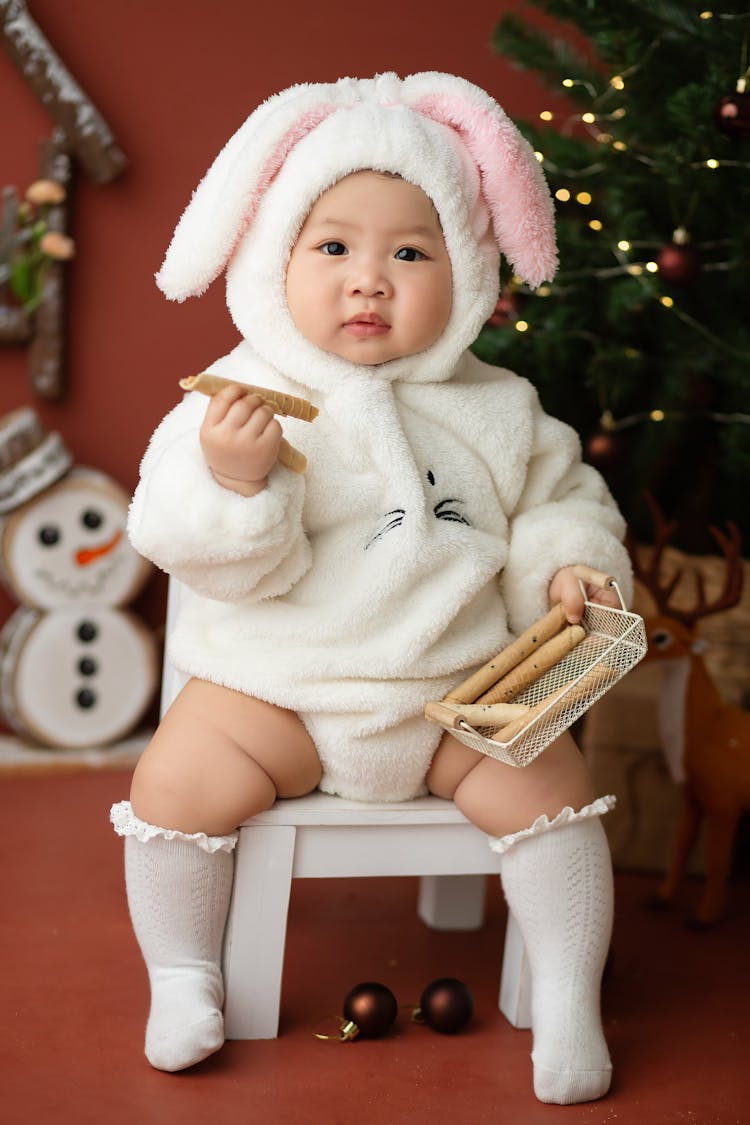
x=369, y=278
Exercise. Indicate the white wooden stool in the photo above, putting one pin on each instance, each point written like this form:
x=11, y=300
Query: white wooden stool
x=319, y=836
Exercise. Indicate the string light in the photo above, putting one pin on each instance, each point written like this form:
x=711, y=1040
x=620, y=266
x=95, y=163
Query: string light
x=712, y=163
x=583, y=198
x=706, y=15
x=547, y=115
x=521, y=326
x=608, y=422
x=623, y=244
x=666, y=301
x=617, y=82
x=620, y=146
x=652, y=267
x=562, y=194
x=588, y=118
x=568, y=83
x=656, y=415
x=595, y=224
x=539, y=156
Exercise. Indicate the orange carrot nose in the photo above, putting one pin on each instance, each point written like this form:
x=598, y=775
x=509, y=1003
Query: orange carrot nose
x=91, y=554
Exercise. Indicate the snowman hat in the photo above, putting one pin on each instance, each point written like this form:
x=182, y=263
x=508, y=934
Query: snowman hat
x=31, y=460
x=437, y=131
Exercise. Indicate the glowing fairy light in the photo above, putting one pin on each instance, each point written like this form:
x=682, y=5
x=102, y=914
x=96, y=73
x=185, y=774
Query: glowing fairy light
x=584, y=198
x=521, y=326
x=623, y=244
x=539, y=156
x=652, y=267
x=588, y=118
x=620, y=146
x=547, y=115
x=595, y=224
x=617, y=82
x=656, y=415
x=667, y=302
x=562, y=194
x=712, y=163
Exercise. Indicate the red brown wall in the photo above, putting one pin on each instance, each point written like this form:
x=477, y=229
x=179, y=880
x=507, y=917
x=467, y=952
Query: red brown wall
x=174, y=79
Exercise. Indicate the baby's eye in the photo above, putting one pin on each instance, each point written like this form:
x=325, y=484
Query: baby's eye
x=410, y=254
x=335, y=249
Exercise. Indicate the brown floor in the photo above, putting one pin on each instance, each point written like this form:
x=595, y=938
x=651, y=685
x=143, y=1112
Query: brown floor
x=74, y=998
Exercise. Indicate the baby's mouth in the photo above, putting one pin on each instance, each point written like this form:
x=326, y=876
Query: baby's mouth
x=366, y=324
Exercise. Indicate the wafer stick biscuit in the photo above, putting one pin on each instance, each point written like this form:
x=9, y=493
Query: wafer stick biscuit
x=480, y=715
x=290, y=406
x=534, y=666
x=488, y=675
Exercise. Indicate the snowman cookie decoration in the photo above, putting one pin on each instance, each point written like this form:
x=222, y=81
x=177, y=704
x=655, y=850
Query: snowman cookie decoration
x=76, y=669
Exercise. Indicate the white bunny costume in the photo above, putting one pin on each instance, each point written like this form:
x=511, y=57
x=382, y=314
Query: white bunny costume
x=439, y=499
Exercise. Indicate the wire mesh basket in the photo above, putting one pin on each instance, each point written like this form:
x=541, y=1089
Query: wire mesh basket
x=612, y=642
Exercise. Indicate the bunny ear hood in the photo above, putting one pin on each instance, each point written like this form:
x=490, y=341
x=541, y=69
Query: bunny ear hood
x=437, y=131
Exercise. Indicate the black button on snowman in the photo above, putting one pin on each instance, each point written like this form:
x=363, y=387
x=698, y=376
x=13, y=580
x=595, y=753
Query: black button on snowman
x=76, y=669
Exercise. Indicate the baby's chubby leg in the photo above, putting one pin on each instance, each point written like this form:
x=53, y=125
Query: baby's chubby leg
x=217, y=758
x=557, y=877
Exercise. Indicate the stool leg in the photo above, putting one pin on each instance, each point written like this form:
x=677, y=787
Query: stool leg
x=256, y=931
x=515, y=982
x=452, y=902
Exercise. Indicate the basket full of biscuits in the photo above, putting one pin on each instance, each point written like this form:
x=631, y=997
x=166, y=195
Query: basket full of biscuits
x=521, y=700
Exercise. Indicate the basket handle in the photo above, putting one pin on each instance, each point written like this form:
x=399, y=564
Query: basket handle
x=587, y=574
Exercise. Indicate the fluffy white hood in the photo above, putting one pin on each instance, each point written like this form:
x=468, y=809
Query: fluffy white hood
x=437, y=131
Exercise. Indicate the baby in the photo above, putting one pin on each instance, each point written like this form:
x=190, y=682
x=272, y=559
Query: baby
x=441, y=513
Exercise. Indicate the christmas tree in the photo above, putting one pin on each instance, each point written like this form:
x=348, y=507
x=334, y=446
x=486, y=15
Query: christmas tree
x=642, y=341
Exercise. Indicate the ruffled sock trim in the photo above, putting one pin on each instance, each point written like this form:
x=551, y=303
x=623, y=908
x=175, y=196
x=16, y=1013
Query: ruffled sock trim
x=126, y=823
x=602, y=805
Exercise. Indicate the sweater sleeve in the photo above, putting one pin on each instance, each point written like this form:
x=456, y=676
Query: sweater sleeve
x=565, y=515
x=222, y=545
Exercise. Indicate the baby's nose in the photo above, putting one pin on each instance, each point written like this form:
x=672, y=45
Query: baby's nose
x=368, y=279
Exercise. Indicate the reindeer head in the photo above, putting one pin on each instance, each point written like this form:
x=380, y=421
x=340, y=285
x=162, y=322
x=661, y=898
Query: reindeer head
x=671, y=632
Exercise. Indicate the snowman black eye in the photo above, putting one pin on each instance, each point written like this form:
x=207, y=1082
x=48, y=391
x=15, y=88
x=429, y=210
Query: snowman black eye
x=49, y=535
x=92, y=519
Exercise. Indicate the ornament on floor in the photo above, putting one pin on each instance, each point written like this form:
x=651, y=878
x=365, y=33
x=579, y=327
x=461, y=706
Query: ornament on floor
x=732, y=113
x=679, y=263
x=446, y=1005
x=76, y=669
x=370, y=1011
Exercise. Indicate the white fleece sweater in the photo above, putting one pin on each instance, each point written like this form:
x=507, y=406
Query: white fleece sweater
x=422, y=537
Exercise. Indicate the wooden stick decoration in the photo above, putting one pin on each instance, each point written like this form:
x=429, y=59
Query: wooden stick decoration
x=488, y=675
x=289, y=406
x=476, y=714
x=566, y=696
x=535, y=665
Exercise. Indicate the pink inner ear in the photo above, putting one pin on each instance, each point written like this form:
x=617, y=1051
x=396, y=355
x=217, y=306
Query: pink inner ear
x=298, y=131
x=512, y=184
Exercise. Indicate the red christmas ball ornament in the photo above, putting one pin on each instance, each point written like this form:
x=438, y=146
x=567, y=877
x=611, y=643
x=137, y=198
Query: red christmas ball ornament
x=604, y=450
x=679, y=263
x=372, y=1008
x=506, y=311
x=732, y=113
x=446, y=1005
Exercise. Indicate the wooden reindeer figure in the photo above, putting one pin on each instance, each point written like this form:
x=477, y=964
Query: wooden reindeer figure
x=705, y=739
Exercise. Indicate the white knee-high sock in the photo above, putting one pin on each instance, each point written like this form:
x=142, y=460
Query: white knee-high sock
x=558, y=884
x=178, y=890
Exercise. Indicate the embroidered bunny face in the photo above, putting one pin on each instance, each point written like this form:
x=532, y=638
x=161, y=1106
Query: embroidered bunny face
x=369, y=278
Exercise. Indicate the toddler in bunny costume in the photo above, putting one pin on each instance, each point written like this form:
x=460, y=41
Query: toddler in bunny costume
x=360, y=225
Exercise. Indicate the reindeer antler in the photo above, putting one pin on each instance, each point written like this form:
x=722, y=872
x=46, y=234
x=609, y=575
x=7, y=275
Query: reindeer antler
x=661, y=592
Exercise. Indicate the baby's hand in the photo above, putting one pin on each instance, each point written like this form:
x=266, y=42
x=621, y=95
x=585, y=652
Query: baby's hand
x=240, y=439
x=566, y=588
